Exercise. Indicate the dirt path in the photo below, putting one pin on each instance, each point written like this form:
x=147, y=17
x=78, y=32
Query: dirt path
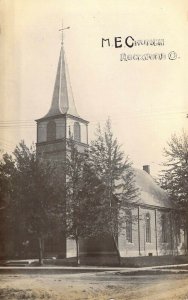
x=94, y=287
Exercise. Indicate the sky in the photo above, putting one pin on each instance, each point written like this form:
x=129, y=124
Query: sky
x=145, y=100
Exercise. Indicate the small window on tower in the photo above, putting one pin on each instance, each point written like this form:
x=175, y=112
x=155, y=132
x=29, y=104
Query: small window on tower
x=77, y=135
x=51, y=131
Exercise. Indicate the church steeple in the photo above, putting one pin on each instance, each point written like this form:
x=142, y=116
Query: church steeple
x=56, y=128
x=62, y=100
x=62, y=121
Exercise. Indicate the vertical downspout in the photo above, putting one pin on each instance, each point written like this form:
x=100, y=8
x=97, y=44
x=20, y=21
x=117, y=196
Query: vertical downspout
x=156, y=244
x=139, y=230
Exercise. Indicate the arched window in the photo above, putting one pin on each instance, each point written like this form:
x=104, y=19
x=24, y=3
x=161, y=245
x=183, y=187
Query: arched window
x=51, y=131
x=77, y=135
x=148, y=228
x=129, y=226
x=164, y=228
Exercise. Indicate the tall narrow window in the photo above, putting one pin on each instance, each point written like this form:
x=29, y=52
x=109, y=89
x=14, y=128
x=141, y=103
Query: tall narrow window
x=164, y=228
x=148, y=228
x=77, y=135
x=129, y=227
x=51, y=131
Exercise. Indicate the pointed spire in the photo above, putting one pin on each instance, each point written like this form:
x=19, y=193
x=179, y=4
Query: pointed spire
x=62, y=100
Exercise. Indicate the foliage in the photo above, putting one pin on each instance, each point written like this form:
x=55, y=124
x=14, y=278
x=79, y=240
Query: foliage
x=36, y=190
x=115, y=172
x=83, y=189
x=174, y=177
x=35, y=206
x=93, y=188
x=6, y=211
x=6, y=169
x=175, y=174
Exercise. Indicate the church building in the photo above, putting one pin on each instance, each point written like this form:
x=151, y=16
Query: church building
x=152, y=227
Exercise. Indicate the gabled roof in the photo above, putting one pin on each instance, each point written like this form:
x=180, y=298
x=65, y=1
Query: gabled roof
x=150, y=192
x=62, y=100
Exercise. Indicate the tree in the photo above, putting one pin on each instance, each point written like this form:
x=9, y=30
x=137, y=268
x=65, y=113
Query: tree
x=6, y=214
x=35, y=196
x=115, y=172
x=83, y=189
x=6, y=169
x=174, y=178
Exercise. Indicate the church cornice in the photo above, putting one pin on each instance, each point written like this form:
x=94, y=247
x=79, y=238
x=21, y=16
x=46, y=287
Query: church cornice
x=62, y=116
x=59, y=141
x=77, y=118
x=59, y=116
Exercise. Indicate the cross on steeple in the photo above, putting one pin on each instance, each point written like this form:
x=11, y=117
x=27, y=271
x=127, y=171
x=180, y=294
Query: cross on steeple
x=62, y=29
x=62, y=100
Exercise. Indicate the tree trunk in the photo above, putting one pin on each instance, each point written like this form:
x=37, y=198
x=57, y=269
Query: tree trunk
x=77, y=252
x=117, y=249
x=41, y=248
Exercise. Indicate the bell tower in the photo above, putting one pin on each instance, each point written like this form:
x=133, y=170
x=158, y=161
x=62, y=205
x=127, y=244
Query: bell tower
x=62, y=120
x=61, y=123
